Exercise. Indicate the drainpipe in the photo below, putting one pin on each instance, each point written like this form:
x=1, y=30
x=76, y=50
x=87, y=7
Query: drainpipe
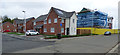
x=69, y=26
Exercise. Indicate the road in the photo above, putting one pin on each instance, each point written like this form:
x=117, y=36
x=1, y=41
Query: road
x=10, y=45
x=86, y=44
x=94, y=44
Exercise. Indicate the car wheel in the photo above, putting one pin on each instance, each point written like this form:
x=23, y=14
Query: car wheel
x=37, y=33
x=29, y=34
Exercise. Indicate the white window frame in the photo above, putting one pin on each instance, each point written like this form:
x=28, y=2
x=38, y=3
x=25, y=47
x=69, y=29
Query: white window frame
x=62, y=20
x=7, y=26
x=34, y=23
x=49, y=21
x=45, y=22
x=55, y=20
x=62, y=30
x=52, y=30
x=45, y=29
x=15, y=29
x=14, y=25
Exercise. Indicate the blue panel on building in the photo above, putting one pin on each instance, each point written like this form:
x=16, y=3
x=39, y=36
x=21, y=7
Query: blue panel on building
x=93, y=18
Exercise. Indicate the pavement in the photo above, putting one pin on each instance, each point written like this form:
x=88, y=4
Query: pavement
x=87, y=44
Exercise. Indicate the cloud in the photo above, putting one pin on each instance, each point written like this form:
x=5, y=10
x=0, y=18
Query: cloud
x=14, y=8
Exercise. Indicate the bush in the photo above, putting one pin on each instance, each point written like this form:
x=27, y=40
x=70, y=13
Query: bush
x=67, y=36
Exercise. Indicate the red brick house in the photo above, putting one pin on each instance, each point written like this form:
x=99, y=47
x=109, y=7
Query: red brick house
x=38, y=23
x=20, y=24
x=8, y=27
x=57, y=21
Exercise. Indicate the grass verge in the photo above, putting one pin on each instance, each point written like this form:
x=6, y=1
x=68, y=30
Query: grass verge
x=15, y=33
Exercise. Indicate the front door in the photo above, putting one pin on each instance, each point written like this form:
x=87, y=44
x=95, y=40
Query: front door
x=38, y=29
x=67, y=31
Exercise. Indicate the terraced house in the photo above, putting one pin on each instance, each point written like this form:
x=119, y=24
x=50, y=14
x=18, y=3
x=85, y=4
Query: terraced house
x=57, y=21
x=20, y=24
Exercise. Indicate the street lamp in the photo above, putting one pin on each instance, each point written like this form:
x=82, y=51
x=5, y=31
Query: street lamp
x=92, y=21
x=24, y=22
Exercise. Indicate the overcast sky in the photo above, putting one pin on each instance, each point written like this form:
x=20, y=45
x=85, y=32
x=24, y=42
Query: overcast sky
x=35, y=8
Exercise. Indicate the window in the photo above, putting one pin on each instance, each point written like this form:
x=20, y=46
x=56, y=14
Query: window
x=15, y=29
x=7, y=26
x=45, y=22
x=55, y=20
x=52, y=29
x=45, y=30
x=24, y=24
x=34, y=23
x=62, y=30
x=62, y=20
x=74, y=29
x=73, y=20
x=49, y=20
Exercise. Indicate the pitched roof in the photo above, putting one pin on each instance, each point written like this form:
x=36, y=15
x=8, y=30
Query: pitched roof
x=63, y=13
x=21, y=21
x=85, y=10
x=38, y=26
x=6, y=22
x=28, y=19
x=59, y=12
x=41, y=18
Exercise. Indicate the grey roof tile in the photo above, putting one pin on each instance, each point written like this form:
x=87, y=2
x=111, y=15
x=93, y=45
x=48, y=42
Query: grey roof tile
x=21, y=21
x=63, y=13
x=41, y=18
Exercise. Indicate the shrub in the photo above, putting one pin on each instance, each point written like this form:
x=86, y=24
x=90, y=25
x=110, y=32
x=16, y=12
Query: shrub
x=67, y=36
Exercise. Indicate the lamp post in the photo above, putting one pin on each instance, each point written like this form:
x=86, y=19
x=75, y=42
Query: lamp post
x=92, y=21
x=24, y=22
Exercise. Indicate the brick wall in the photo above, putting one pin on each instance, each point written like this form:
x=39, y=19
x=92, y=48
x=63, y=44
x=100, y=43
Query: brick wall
x=83, y=31
x=29, y=25
x=8, y=26
x=40, y=29
x=57, y=29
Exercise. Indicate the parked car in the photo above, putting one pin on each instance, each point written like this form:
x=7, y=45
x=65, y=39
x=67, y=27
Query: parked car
x=107, y=33
x=7, y=31
x=32, y=32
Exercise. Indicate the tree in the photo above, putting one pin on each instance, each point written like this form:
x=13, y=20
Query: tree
x=6, y=19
